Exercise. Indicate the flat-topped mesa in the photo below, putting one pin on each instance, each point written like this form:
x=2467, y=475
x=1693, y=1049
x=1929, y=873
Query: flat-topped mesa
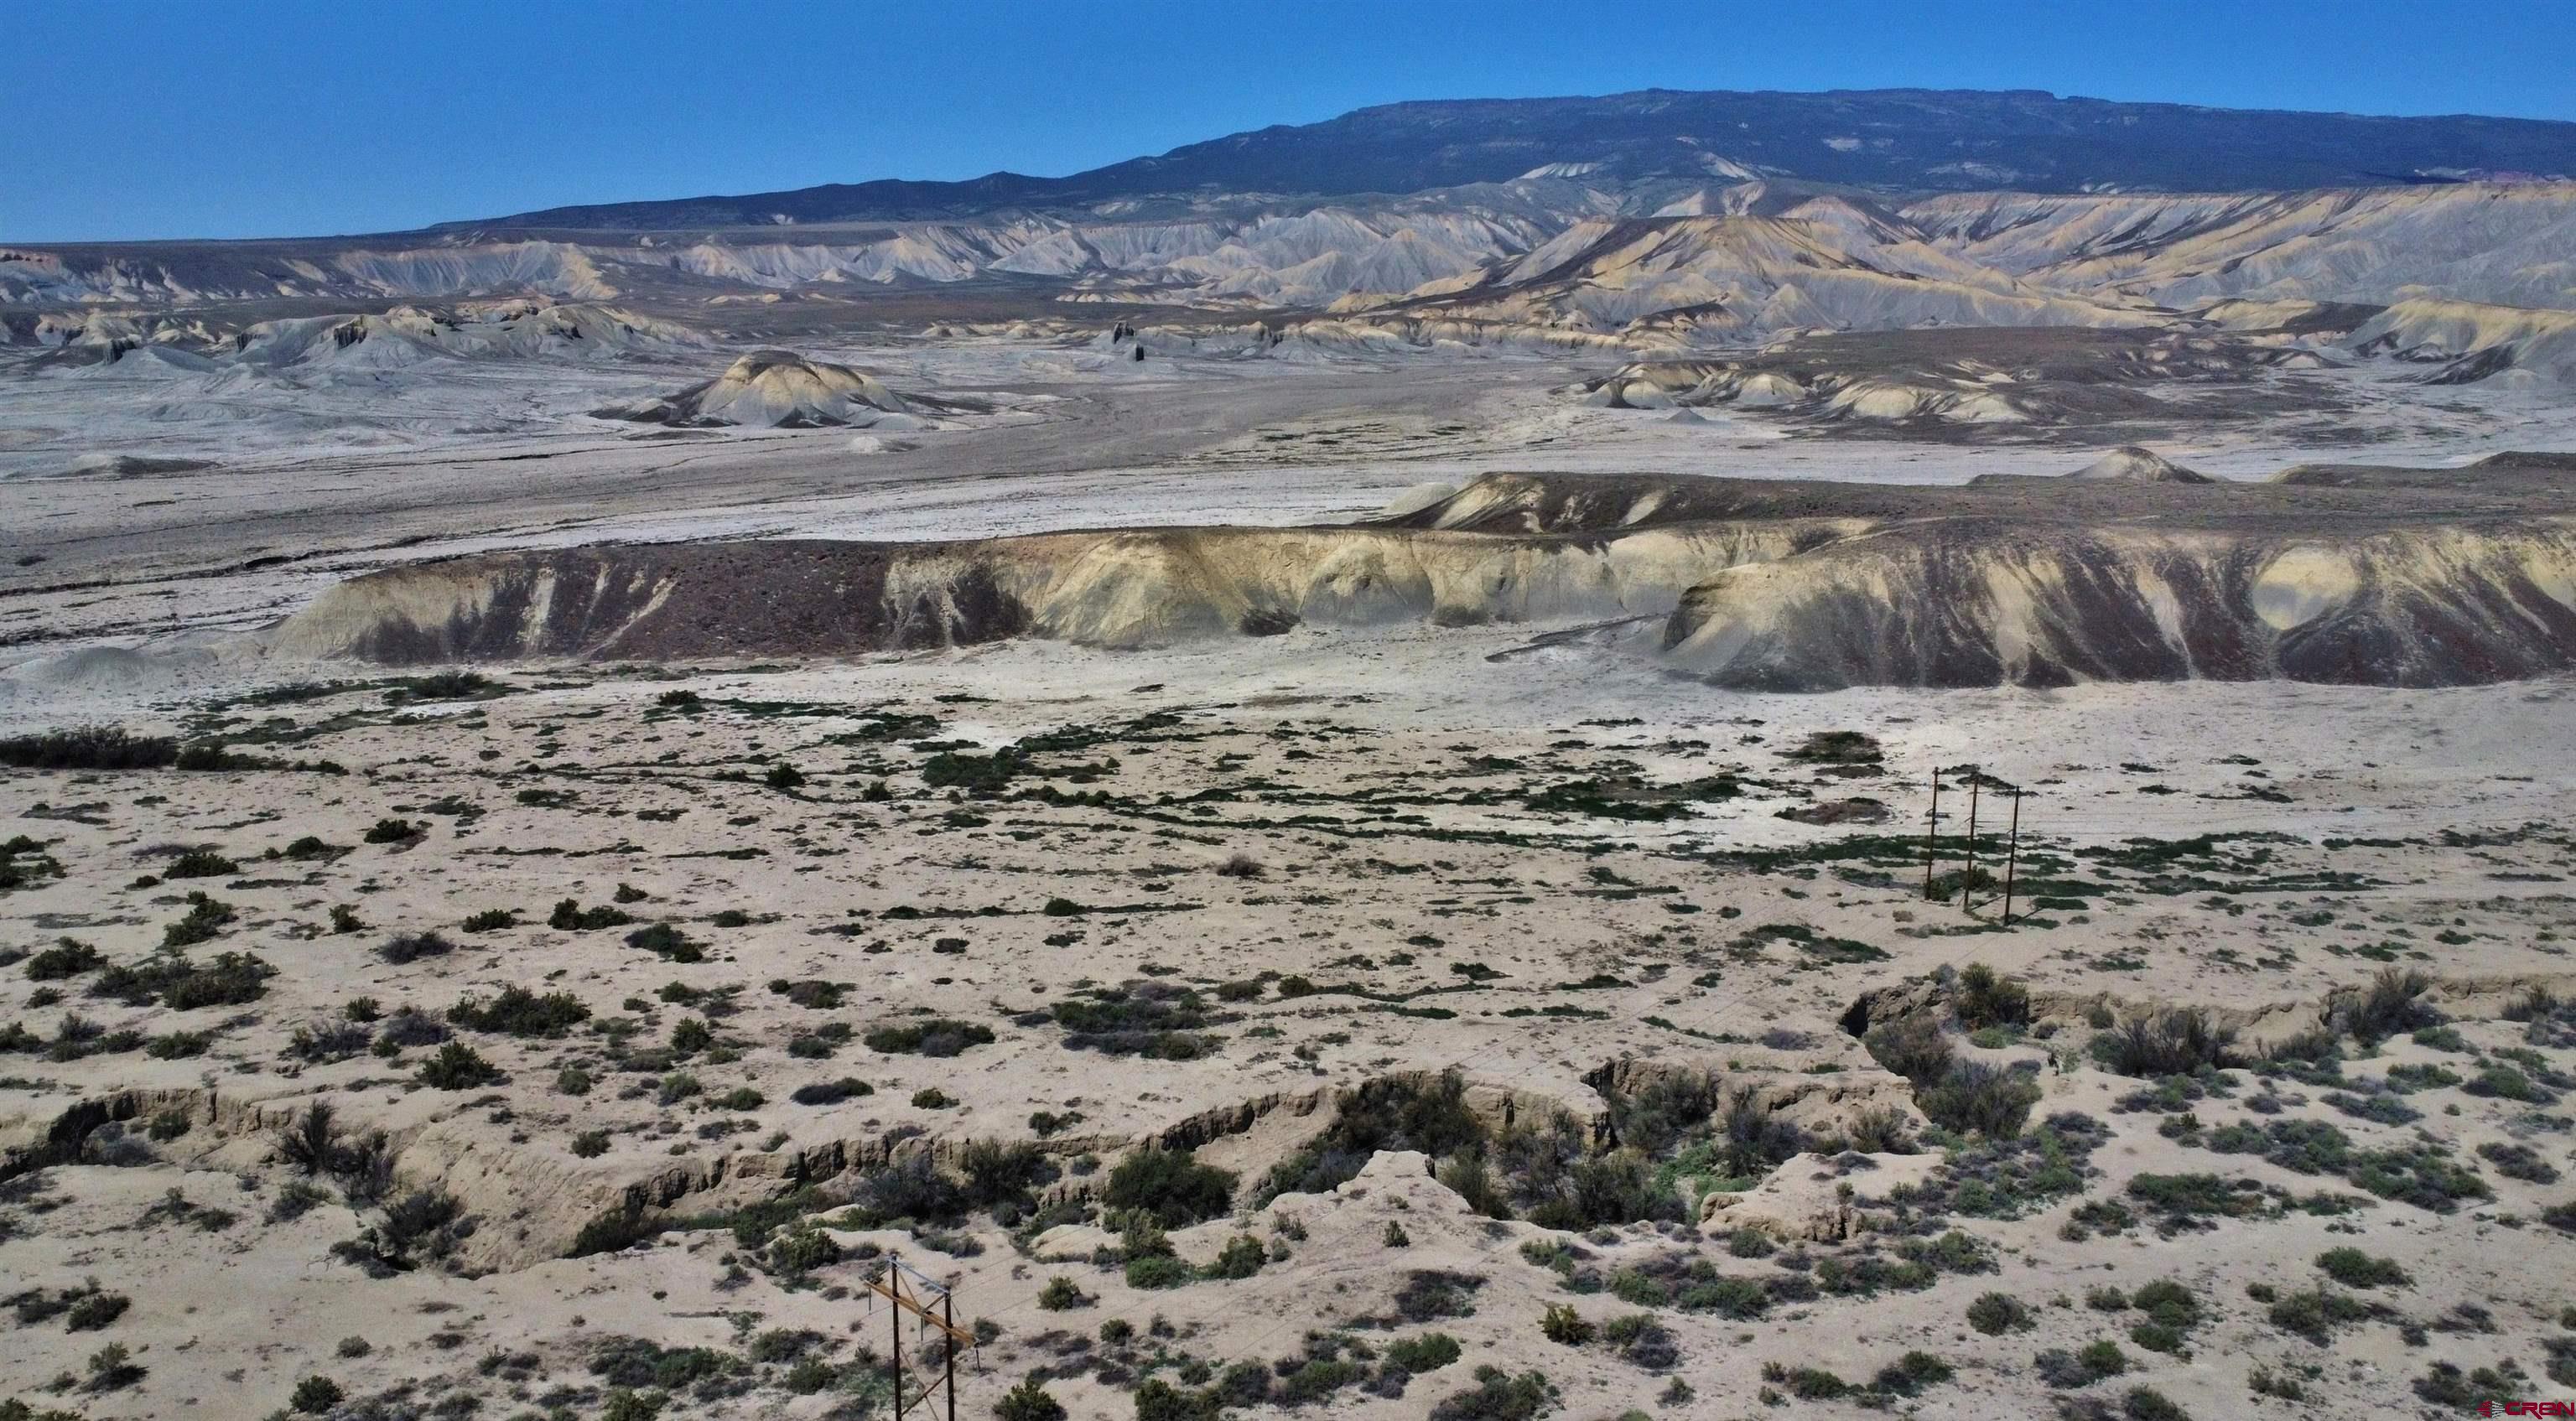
x=2451, y=577
x=1117, y=588
x=1971, y=602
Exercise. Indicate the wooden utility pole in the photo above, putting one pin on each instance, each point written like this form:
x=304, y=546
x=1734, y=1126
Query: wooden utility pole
x=2012, y=855
x=891, y=1288
x=1968, y=879
x=1932, y=832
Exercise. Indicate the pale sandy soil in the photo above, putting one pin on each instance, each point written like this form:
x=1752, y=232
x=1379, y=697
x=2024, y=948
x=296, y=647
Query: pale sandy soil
x=1436, y=819
x=1383, y=784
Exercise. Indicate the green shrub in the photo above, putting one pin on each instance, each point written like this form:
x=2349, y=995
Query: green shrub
x=1060, y=1294
x=804, y=1248
x=1909, y=1374
x=179, y=1045
x=200, y=863
x=1028, y=1401
x=2391, y=1004
x=171, y=979
x=94, y=1311
x=2356, y=1269
x=2147, y=1404
x=457, y=1066
x=570, y=916
x=1987, y=999
x=1499, y=1396
x=408, y=948
x=2181, y=1042
x=1976, y=1098
x=1561, y=1323
x=1807, y=1383
x=932, y=1036
x=67, y=958
x=394, y=831
x=998, y=1173
x=1428, y=1352
x=1241, y=1257
x=830, y=1092
x=1995, y=1314
x=1158, y=1271
x=1913, y=1048
x=315, y=1395
x=97, y=747
x=667, y=942
x=520, y=1012
x=1170, y=1185
x=204, y=918
x=2316, y=1314
x=1318, y=1379
x=2517, y=1161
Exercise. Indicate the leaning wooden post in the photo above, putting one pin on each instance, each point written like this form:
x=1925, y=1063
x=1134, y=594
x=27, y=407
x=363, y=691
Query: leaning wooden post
x=948, y=1314
x=894, y=1276
x=2012, y=855
x=1968, y=879
x=1932, y=832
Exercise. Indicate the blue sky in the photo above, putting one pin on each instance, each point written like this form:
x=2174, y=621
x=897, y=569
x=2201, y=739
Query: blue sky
x=167, y=118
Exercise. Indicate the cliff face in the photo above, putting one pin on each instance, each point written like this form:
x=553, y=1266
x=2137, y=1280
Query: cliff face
x=1981, y=604
x=2370, y=579
x=1133, y=588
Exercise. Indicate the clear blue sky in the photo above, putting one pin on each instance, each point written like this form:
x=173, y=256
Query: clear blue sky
x=166, y=118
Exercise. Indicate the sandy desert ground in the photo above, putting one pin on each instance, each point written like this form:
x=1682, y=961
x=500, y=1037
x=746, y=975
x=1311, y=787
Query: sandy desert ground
x=1474, y=1021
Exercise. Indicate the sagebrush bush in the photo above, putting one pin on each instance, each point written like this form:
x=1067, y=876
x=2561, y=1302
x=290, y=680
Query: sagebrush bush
x=1561, y=1323
x=1911, y=1047
x=2356, y=1269
x=1997, y=1313
x=1977, y=1098
x=407, y=948
x=1986, y=998
x=1171, y=1186
x=2392, y=1003
x=570, y=916
x=520, y=1012
x=458, y=1066
x=2179, y=1042
x=96, y=747
x=1028, y=1401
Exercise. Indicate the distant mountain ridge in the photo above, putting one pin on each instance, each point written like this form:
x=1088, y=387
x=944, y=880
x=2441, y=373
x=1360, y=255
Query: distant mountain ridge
x=1909, y=141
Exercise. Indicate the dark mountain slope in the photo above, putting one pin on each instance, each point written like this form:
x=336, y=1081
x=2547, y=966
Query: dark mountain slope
x=1898, y=140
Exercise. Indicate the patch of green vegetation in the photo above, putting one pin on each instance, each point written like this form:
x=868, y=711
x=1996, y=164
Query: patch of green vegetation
x=1630, y=797
x=205, y=917
x=520, y=1012
x=1156, y=1020
x=174, y=981
x=1823, y=948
